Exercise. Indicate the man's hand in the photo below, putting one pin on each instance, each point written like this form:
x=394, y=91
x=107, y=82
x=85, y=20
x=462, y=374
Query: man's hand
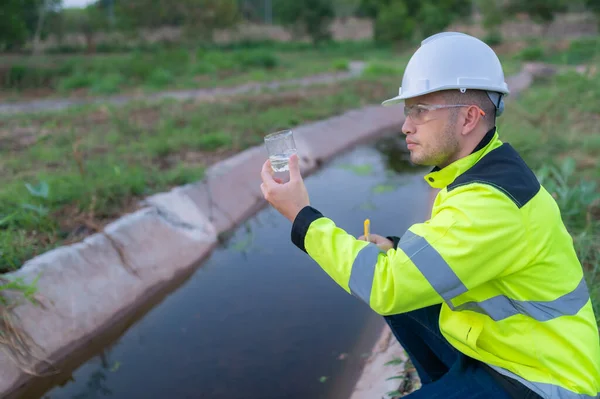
x=288, y=198
x=382, y=242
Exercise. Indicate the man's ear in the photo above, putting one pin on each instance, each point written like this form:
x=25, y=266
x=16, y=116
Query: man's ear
x=473, y=115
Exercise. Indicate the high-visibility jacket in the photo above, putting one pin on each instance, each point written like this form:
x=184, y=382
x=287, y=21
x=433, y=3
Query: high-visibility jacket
x=497, y=256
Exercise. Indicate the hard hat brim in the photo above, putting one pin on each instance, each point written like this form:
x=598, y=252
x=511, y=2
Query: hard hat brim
x=393, y=101
x=400, y=98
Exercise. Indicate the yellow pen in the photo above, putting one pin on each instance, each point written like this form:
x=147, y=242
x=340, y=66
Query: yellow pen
x=367, y=228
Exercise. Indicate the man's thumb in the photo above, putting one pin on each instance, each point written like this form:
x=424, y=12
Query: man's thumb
x=295, y=168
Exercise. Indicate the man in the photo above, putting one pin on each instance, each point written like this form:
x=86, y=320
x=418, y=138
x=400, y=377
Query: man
x=487, y=297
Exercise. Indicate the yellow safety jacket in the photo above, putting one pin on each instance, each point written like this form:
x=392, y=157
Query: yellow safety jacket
x=497, y=256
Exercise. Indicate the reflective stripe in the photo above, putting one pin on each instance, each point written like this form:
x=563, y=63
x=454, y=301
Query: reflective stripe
x=500, y=307
x=447, y=284
x=431, y=264
x=546, y=391
x=363, y=272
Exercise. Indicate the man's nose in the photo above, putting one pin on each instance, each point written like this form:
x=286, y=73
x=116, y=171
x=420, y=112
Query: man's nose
x=408, y=127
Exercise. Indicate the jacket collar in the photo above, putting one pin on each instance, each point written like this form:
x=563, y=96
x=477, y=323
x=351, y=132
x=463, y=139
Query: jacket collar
x=440, y=178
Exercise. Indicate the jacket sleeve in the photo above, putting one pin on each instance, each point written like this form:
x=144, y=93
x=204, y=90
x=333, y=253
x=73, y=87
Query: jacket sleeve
x=476, y=235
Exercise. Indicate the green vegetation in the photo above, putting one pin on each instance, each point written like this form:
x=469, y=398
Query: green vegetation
x=400, y=21
x=555, y=126
x=308, y=17
x=181, y=68
x=66, y=174
x=578, y=51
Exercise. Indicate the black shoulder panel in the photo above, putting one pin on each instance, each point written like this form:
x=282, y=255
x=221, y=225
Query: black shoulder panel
x=504, y=169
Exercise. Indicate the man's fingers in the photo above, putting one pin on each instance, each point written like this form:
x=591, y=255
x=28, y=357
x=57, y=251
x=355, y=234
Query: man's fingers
x=278, y=180
x=263, y=188
x=266, y=174
x=295, y=168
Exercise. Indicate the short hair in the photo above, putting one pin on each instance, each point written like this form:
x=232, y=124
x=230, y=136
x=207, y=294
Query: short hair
x=473, y=97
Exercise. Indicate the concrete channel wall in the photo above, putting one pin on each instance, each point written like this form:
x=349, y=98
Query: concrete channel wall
x=86, y=287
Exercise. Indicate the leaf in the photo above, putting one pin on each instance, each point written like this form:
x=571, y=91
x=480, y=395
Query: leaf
x=368, y=206
x=7, y=219
x=395, y=361
x=383, y=188
x=40, y=190
x=115, y=367
x=40, y=210
x=568, y=167
x=360, y=170
x=396, y=377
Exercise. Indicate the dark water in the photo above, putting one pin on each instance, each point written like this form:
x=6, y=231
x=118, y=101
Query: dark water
x=259, y=319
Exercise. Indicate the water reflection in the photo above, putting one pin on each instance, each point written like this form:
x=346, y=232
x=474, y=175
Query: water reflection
x=395, y=155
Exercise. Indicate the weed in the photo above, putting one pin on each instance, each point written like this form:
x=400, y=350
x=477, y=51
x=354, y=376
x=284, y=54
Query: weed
x=159, y=68
x=341, y=65
x=534, y=53
x=95, y=164
x=378, y=69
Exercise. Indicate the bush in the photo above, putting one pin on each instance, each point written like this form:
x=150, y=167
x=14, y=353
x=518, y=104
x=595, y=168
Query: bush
x=214, y=141
x=23, y=77
x=581, y=51
x=260, y=59
x=159, y=78
x=405, y=20
x=341, y=65
x=309, y=17
x=533, y=53
x=493, y=38
x=387, y=26
x=432, y=19
x=77, y=81
x=107, y=84
x=375, y=70
x=573, y=195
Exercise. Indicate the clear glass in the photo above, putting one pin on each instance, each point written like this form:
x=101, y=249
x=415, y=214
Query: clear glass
x=280, y=147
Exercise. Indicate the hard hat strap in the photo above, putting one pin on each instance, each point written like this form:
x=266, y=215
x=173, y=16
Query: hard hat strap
x=498, y=101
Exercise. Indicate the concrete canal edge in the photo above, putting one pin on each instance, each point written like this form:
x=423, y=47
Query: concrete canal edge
x=85, y=288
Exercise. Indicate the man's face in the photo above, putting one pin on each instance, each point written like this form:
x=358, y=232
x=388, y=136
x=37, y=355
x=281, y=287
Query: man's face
x=432, y=135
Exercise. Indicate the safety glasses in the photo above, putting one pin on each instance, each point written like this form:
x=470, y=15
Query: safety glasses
x=421, y=113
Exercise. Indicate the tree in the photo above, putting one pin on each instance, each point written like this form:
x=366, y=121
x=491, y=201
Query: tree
x=345, y=8
x=493, y=15
x=199, y=18
x=387, y=28
x=594, y=6
x=24, y=19
x=540, y=11
x=202, y=17
x=13, y=30
x=406, y=20
x=310, y=17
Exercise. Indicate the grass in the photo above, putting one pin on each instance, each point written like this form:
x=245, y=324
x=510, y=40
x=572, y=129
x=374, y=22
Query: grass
x=162, y=68
x=66, y=174
x=181, y=68
x=555, y=126
x=575, y=52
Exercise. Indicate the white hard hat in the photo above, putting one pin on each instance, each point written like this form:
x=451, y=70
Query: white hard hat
x=453, y=60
